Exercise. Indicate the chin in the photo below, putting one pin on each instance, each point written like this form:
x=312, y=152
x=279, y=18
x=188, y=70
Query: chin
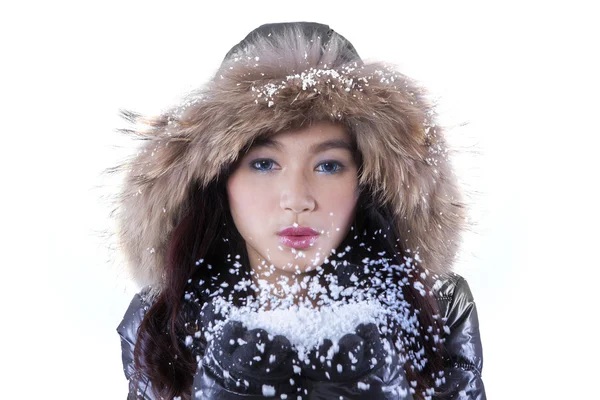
x=303, y=265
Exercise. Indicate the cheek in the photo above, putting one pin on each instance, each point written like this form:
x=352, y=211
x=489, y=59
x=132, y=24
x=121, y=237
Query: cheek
x=341, y=203
x=248, y=205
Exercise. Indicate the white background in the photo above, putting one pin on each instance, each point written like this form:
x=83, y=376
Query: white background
x=522, y=75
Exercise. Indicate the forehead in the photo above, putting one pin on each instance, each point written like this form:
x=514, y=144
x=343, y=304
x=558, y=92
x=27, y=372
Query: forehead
x=317, y=137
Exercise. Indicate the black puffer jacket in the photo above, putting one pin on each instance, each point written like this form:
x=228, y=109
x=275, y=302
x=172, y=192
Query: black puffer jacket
x=379, y=381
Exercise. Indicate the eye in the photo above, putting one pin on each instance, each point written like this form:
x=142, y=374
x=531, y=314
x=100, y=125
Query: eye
x=263, y=164
x=329, y=167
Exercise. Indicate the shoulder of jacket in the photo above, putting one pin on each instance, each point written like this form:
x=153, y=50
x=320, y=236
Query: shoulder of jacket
x=446, y=287
x=453, y=296
x=135, y=313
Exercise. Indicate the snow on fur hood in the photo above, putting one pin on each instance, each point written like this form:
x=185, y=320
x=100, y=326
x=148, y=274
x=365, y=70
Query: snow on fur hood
x=284, y=76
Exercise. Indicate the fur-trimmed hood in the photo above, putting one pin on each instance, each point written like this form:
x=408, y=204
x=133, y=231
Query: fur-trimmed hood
x=284, y=76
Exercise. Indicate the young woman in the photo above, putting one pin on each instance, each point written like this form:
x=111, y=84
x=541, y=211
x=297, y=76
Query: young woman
x=293, y=225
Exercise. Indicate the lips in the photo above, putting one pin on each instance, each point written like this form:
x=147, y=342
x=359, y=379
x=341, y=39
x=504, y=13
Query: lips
x=298, y=237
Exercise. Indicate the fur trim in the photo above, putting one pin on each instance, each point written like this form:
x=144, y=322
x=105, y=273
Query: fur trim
x=277, y=83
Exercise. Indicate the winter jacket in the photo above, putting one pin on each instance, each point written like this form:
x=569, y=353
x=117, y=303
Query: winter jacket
x=284, y=76
x=382, y=381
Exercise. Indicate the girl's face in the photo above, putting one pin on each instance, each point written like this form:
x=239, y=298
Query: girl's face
x=293, y=197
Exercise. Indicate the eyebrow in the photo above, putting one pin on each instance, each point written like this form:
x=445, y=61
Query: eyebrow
x=316, y=148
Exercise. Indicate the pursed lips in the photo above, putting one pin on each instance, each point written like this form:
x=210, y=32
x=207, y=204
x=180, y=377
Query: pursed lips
x=298, y=237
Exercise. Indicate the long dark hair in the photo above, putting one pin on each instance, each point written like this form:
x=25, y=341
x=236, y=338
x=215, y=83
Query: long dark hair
x=161, y=355
x=206, y=233
x=421, y=342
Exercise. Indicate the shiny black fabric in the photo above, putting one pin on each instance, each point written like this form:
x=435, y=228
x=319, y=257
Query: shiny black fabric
x=308, y=28
x=378, y=379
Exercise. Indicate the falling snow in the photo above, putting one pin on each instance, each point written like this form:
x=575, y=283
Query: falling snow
x=342, y=304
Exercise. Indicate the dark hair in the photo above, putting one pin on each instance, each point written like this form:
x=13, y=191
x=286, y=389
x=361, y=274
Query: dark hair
x=207, y=232
x=421, y=344
x=160, y=354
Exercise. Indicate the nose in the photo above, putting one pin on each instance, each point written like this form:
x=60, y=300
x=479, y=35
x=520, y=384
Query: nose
x=296, y=195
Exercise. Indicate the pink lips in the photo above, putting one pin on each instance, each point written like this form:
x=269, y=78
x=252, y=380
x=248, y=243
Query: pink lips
x=298, y=238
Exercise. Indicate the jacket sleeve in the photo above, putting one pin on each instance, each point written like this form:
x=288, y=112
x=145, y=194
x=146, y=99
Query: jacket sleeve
x=463, y=345
x=127, y=330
